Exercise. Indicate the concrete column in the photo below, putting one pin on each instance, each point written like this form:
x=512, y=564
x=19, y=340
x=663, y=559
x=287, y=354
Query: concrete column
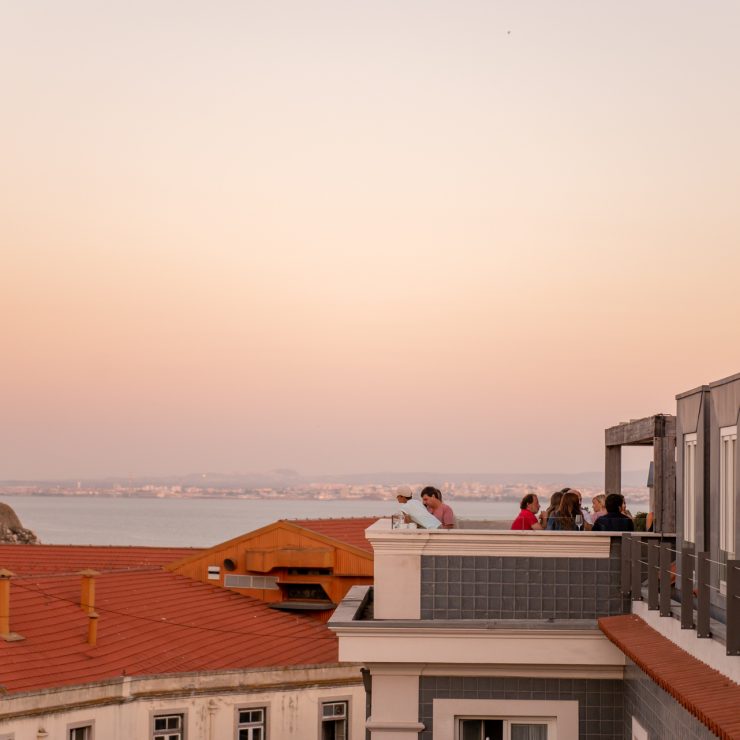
x=613, y=470
x=397, y=590
x=395, y=706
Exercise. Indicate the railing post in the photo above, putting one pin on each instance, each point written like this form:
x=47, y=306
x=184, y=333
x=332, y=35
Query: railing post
x=733, y=607
x=702, y=585
x=665, y=579
x=687, y=589
x=626, y=569
x=653, y=552
x=636, y=552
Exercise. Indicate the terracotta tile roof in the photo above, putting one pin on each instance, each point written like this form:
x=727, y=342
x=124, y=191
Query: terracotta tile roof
x=38, y=559
x=711, y=697
x=150, y=622
x=349, y=531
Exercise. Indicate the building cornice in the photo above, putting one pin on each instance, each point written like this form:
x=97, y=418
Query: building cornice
x=133, y=688
x=470, y=645
x=506, y=543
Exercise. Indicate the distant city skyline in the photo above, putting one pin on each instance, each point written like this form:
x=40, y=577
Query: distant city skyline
x=337, y=236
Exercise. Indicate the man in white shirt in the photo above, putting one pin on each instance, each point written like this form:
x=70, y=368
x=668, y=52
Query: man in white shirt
x=414, y=510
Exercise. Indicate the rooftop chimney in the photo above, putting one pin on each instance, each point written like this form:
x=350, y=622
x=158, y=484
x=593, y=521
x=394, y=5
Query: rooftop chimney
x=92, y=628
x=5, y=633
x=87, y=598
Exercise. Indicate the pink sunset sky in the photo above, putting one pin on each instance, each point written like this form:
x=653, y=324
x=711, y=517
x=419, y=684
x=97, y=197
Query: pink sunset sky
x=360, y=236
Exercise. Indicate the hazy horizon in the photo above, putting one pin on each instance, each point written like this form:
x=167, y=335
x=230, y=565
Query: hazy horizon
x=286, y=477
x=360, y=236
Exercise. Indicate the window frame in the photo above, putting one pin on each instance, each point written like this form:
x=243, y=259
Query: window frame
x=562, y=713
x=79, y=725
x=727, y=507
x=158, y=713
x=346, y=700
x=689, y=487
x=548, y=722
x=264, y=706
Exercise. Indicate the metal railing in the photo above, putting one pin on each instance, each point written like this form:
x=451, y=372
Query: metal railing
x=651, y=561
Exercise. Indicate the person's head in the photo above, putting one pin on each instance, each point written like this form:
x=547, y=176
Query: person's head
x=598, y=502
x=431, y=497
x=403, y=494
x=569, y=504
x=555, y=500
x=530, y=502
x=614, y=503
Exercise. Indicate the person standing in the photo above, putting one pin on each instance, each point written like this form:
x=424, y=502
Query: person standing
x=528, y=508
x=432, y=498
x=414, y=511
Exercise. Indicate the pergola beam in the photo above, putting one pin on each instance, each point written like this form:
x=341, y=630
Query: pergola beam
x=658, y=431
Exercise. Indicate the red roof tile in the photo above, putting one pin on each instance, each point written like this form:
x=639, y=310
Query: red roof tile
x=38, y=559
x=710, y=696
x=150, y=622
x=349, y=531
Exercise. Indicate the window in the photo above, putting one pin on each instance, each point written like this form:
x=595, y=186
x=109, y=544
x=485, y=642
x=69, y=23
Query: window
x=334, y=720
x=727, y=482
x=251, y=724
x=689, y=487
x=505, y=719
x=169, y=727
x=81, y=731
x=304, y=592
x=502, y=729
x=240, y=581
x=309, y=571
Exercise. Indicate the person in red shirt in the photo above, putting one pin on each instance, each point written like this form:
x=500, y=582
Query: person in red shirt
x=527, y=518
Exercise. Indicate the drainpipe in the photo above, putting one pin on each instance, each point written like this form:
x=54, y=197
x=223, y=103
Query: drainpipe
x=5, y=633
x=212, y=708
x=87, y=596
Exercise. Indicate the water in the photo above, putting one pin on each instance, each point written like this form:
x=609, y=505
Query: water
x=170, y=522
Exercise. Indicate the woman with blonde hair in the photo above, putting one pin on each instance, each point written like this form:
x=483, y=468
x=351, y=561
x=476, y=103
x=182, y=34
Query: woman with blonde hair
x=599, y=503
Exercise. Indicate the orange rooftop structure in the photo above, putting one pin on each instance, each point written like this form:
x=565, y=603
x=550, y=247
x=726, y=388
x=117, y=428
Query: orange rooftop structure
x=302, y=565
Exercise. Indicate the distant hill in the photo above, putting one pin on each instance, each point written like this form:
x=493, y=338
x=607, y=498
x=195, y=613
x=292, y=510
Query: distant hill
x=285, y=478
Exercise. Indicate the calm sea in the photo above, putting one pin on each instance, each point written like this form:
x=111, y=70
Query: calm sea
x=82, y=520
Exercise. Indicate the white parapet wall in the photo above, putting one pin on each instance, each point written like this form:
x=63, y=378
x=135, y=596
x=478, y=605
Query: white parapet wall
x=397, y=590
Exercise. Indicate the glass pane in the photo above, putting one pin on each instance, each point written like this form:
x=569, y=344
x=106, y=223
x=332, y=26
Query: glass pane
x=528, y=732
x=257, y=733
x=471, y=729
x=493, y=729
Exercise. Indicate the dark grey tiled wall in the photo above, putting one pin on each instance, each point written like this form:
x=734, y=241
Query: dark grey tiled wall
x=481, y=587
x=656, y=710
x=600, y=701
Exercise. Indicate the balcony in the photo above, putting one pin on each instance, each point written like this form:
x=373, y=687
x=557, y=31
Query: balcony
x=485, y=574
